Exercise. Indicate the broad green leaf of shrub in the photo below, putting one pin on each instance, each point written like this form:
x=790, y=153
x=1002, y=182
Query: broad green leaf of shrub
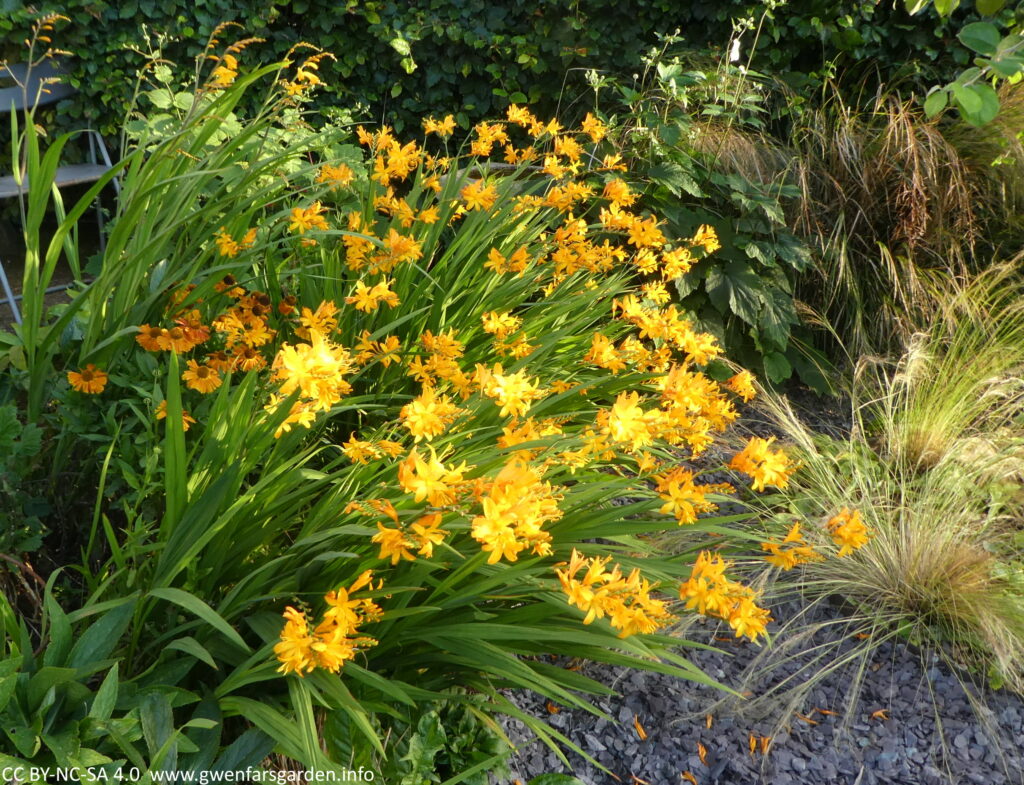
x=936, y=101
x=736, y=288
x=982, y=37
x=675, y=178
x=777, y=316
x=777, y=367
x=978, y=103
x=989, y=7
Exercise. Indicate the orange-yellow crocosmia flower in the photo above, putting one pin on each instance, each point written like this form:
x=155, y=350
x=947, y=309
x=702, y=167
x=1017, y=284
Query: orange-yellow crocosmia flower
x=786, y=558
x=226, y=246
x=393, y=544
x=707, y=237
x=848, y=531
x=683, y=498
x=617, y=191
x=225, y=73
x=515, y=508
x=316, y=369
x=428, y=415
x=743, y=385
x=500, y=324
x=625, y=599
x=323, y=320
x=336, y=176
x=626, y=422
x=603, y=354
x=305, y=218
x=713, y=594
x=427, y=533
x=445, y=127
x=747, y=618
x=336, y=639
x=89, y=380
x=479, y=196
x=430, y=480
x=593, y=127
x=295, y=649
x=359, y=451
x=513, y=392
x=363, y=298
x=763, y=465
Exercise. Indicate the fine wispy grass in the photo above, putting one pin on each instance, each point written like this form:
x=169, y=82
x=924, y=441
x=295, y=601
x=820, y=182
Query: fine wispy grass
x=934, y=464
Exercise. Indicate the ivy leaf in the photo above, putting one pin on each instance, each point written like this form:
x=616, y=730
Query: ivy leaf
x=687, y=282
x=946, y=7
x=813, y=368
x=761, y=251
x=791, y=250
x=670, y=133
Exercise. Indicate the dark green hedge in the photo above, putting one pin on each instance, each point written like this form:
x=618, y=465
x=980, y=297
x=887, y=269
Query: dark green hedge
x=401, y=60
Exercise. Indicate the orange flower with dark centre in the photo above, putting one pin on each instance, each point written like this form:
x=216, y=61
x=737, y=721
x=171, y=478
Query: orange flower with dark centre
x=201, y=377
x=248, y=359
x=175, y=340
x=219, y=361
x=149, y=337
x=287, y=305
x=90, y=380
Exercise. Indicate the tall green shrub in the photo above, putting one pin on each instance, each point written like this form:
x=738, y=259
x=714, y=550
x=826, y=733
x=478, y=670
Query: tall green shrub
x=400, y=61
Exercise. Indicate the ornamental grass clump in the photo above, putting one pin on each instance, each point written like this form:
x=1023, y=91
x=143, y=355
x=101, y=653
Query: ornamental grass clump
x=365, y=419
x=924, y=500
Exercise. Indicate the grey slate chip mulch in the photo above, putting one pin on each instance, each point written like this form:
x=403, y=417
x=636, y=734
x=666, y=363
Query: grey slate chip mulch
x=929, y=733
x=905, y=746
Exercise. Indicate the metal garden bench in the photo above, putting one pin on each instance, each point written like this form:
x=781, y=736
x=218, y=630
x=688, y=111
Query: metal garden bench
x=36, y=85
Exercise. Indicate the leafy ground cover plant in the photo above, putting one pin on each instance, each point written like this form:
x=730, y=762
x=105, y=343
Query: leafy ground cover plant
x=357, y=423
x=931, y=478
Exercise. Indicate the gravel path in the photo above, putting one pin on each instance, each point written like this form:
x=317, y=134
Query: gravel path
x=913, y=724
